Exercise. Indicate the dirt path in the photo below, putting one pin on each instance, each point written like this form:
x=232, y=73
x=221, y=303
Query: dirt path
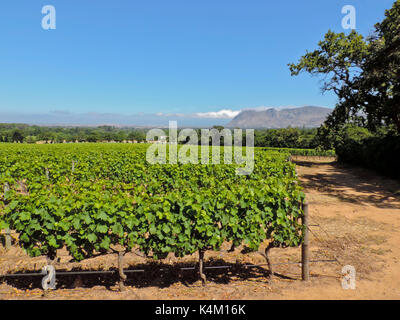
x=359, y=213
x=355, y=218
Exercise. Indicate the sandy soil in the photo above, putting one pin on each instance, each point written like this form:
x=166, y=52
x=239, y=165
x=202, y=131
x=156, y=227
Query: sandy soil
x=355, y=220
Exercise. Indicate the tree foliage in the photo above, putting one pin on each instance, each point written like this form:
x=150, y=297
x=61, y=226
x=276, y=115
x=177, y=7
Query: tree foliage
x=14, y=132
x=363, y=72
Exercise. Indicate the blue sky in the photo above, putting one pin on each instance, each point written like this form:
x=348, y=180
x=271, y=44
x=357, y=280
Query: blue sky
x=186, y=57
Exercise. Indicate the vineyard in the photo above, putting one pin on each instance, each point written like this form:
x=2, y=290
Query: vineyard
x=303, y=152
x=94, y=199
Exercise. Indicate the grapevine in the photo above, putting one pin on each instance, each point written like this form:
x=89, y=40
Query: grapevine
x=92, y=197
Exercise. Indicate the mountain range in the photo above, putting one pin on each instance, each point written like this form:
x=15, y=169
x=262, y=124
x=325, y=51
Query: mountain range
x=308, y=117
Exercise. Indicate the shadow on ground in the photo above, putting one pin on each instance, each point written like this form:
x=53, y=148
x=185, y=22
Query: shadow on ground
x=153, y=275
x=343, y=180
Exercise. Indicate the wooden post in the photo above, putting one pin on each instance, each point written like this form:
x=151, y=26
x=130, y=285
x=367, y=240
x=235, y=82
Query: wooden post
x=8, y=238
x=7, y=230
x=305, y=259
x=201, y=264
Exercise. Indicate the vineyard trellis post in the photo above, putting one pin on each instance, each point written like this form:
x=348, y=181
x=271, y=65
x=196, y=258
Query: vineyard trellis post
x=305, y=259
x=8, y=238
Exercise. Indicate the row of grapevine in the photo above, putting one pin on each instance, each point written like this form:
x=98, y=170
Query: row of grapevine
x=89, y=198
x=303, y=152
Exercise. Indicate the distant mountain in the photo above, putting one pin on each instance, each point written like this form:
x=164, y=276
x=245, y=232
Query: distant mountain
x=309, y=117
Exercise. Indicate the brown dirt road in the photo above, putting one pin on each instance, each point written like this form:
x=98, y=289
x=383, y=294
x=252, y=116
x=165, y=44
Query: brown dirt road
x=355, y=219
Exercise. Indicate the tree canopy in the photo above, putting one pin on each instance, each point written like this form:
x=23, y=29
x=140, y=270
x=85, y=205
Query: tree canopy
x=363, y=72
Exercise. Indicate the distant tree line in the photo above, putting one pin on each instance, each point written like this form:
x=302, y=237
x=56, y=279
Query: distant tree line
x=32, y=134
x=287, y=138
x=299, y=138
x=280, y=138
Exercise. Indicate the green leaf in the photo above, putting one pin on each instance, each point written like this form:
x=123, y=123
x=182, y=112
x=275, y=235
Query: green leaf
x=24, y=216
x=117, y=229
x=105, y=243
x=166, y=228
x=103, y=216
x=92, y=237
x=52, y=242
x=102, y=228
x=64, y=225
x=24, y=237
x=13, y=205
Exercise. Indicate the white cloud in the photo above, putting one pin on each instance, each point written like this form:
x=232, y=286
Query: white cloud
x=222, y=114
x=230, y=114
